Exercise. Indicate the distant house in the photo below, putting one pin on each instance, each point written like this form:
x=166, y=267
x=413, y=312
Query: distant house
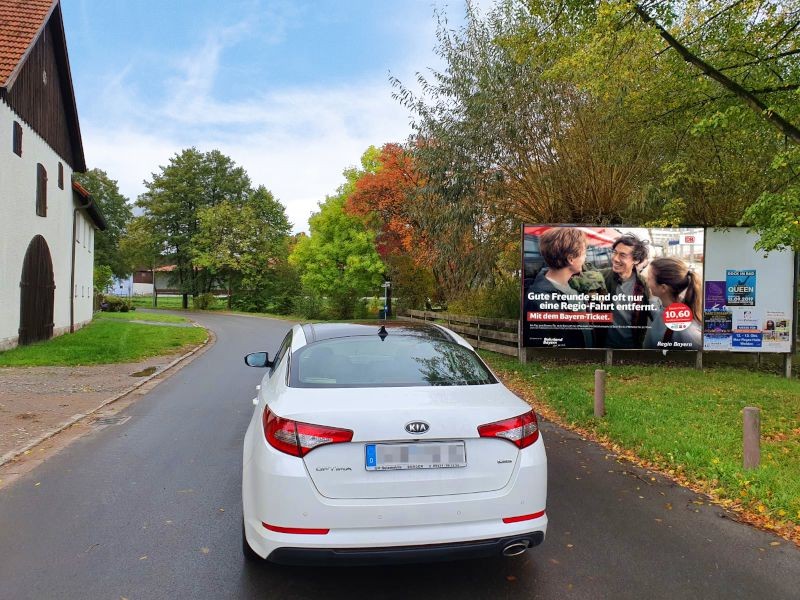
x=142, y=280
x=47, y=221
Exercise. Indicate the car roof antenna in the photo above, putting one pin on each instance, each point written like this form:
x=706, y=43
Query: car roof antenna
x=382, y=333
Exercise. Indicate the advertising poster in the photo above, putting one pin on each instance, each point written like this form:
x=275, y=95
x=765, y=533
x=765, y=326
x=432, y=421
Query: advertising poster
x=740, y=287
x=752, y=312
x=716, y=298
x=613, y=287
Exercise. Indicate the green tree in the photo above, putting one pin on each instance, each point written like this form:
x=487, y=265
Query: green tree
x=172, y=205
x=117, y=212
x=338, y=261
x=246, y=245
x=103, y=278
x=714, y=87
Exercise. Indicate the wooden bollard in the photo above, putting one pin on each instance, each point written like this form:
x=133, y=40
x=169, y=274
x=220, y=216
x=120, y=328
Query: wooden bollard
x=752, y=437
x=599, y=393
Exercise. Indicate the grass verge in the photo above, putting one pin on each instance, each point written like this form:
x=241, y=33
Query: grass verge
x=174, y=303
x=685, y=423
x=169, y=303
x=105, y=341
x=140, y=316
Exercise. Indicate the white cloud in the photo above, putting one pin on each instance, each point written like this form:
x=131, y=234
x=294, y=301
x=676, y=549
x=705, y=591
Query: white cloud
x=295, y=141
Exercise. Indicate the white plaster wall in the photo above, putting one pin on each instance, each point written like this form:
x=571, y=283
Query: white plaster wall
x=142, y=289
x=19, y=223
x=84, y=269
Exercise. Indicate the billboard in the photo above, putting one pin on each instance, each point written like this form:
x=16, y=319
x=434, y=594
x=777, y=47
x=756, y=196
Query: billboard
x=748, y=296
x=654, y=289
x=612, y=287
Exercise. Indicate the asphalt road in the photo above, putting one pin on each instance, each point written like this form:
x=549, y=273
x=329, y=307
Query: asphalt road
x=150, y=508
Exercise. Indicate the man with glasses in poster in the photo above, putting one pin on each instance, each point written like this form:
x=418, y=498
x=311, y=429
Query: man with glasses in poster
x=629, y=253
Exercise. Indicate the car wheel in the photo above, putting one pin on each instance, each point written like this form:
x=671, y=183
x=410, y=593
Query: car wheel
x=248, y=552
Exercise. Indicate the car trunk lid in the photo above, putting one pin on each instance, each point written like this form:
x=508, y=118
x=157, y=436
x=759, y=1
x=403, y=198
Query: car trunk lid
x=449, y=458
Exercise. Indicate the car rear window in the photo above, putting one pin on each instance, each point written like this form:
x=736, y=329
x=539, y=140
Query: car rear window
x=396, y=361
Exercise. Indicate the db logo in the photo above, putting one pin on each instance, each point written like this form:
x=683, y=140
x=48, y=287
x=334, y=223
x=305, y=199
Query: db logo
x=677, y=316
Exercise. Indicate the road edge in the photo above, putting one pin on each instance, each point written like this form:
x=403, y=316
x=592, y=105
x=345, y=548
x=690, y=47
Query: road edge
x=164, y=373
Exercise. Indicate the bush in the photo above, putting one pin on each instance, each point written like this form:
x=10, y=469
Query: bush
x=499, y=302
x=204, y=301
x=361, y=310
x=112, y=304
x=309, y=306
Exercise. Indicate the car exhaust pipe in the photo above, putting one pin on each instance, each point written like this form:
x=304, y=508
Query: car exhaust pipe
x=516, y=548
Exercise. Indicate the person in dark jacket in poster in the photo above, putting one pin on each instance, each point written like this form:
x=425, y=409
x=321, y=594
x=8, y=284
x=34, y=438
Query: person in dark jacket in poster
x=564, y=252
x=629, y=254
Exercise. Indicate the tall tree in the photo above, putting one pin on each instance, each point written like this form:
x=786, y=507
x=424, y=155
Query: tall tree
x=172, y=203
x=383, y=197
x=247, y=246
x=117, y=212
x=494, y=126
x=338, y=261
x=713, y=85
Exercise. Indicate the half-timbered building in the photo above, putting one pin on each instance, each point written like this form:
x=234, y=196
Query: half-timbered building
x=47, y=221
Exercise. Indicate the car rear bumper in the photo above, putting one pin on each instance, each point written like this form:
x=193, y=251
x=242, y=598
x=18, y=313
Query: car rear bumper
x=278, y=492
x=400, y=555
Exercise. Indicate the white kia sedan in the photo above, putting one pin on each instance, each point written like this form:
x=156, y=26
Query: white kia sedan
x=388, y=443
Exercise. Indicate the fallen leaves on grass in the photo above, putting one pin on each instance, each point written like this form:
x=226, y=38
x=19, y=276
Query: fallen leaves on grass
x=744, y=512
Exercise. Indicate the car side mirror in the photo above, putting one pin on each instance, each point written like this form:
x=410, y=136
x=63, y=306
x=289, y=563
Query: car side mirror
x=258, y=359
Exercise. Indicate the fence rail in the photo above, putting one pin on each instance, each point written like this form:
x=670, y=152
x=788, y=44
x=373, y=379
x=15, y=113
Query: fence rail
x=497, y=335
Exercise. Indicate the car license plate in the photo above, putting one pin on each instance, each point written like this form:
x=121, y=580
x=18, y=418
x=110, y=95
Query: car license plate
x=421, y=455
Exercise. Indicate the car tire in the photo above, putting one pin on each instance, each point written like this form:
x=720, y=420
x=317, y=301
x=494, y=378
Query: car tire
x=248, y=552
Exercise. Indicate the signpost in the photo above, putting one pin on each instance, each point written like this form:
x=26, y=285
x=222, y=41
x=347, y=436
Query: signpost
x=386, y=285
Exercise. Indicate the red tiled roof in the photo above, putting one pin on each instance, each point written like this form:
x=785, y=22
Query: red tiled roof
x=81, y=190
x=20, y=21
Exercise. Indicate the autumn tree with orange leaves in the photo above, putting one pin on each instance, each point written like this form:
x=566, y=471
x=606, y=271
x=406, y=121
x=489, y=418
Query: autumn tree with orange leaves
x=433, y=247
x=383, y=199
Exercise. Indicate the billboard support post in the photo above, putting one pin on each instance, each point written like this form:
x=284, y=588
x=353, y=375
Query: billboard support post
x=609, y=358
x=787, y=365
x=599, y=393
x=698, y=360
x=751, y=437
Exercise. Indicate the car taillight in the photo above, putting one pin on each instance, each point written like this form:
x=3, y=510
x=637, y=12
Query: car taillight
x=298, y=439
x=522, y=431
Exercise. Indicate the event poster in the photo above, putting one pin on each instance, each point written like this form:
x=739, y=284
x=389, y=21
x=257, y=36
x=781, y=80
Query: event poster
x=752, y=312
x=613, y=287
x=740, y=287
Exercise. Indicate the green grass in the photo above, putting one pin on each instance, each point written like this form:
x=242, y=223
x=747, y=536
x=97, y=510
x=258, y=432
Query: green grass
x=173, y=303
x=103, y=342
x=685, y=421
x=140, y=316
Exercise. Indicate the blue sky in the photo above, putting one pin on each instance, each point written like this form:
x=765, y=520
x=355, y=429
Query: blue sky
x=294, y=91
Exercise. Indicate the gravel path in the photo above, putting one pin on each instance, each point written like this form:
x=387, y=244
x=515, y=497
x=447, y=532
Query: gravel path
x=34, y=400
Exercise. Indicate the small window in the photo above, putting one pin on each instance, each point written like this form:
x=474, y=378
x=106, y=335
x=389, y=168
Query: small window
x=17, y=139
x=60, y=176
x=41, y=190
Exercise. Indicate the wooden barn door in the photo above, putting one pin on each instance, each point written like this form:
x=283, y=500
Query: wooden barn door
x=37, y=290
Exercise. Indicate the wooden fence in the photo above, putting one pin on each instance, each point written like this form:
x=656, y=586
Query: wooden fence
x=497, y=335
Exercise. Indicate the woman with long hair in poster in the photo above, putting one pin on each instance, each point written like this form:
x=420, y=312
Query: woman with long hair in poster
x=564, y=252
x=671, y=280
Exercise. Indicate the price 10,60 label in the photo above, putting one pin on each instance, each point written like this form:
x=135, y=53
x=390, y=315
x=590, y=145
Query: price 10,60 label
x=677, y=316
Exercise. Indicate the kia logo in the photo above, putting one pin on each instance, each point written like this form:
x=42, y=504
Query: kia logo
x=417, y=427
